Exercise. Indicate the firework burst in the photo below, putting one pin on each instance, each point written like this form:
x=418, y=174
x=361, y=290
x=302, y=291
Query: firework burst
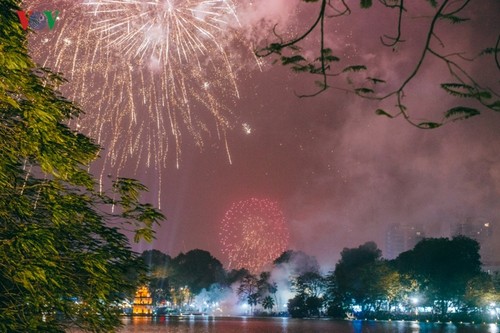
x=253, y=233
x=167, y=30
x=148, y=74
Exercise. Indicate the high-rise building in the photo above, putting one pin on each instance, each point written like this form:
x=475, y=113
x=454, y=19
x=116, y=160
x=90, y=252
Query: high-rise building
x=401, y=237
x=480, y=229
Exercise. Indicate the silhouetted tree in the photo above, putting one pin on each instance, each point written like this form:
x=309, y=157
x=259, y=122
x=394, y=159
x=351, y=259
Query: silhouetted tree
x=297, y=307
x=236, y=275
x=352, y=276
x=248, y=290
x=297, y=262
x=197, y=269
x=268, y=303
x=155, y=259
x=310, y=289
x=442, y=267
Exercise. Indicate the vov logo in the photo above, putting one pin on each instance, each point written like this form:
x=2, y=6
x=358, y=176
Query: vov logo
x=37, y=20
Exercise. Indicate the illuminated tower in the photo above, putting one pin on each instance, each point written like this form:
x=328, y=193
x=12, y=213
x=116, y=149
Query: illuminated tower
x=143, y=302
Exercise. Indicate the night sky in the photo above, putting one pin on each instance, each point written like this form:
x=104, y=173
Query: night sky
x=340, y=173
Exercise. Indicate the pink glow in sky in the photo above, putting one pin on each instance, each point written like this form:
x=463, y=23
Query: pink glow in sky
x=340, y=173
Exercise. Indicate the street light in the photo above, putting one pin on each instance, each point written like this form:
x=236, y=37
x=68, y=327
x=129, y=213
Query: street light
x=415, y=300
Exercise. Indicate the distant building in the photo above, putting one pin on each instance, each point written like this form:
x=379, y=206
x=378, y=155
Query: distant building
x=491, y=267
x=401, y=237
x=481, y=230
x=143, y=302
x=478, y=229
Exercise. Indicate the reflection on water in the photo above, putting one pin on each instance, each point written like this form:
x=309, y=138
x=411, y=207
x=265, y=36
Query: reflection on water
x=286, y=325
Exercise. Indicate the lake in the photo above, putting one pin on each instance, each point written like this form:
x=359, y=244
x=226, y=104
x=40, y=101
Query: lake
x=287, y=325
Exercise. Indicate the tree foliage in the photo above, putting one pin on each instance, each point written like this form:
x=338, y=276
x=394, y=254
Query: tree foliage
x=354, y=274
x=437, y=273
x=443, y=268
x=480, y=292
x=63, y=260
x=297, y=262
x=158, y=272
x=466, y=88
x=197, y=269
x=310, y=289
x=268, y=303
x=248, y=290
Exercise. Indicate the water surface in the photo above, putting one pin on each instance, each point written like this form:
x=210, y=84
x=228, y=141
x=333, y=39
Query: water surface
x=287, y=325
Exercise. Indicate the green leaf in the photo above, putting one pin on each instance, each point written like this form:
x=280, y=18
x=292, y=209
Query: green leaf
x=495, y=106
x=489, y=50
x=484, y=95
x=364, y=91
x=461, y=112
x=433, y=3
x=366, y=3
x=331, y=58
x=375, y=80
x=300, y=69
x=321, y=84
x=292, y=60
x=327, y=56
x=458, y=89
x=454, y=19
x=429, y=125
x=354, y=68
x=381, y=112
x=275, y=48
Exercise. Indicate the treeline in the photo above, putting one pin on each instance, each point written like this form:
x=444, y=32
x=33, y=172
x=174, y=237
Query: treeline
x=439, y=279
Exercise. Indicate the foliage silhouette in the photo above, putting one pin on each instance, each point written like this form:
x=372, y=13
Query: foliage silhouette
x=464, y=87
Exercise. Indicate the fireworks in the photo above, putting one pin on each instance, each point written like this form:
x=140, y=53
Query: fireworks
x=253, y=233
x=148, y=73
x=162, y=30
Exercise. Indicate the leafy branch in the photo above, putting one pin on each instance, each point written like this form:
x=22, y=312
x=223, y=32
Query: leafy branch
x=464, y=87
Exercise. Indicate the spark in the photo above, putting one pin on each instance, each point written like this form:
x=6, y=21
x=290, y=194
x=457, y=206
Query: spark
x=247, y=128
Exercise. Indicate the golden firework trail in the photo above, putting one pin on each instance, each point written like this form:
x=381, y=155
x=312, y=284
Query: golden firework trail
x=149, y=74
